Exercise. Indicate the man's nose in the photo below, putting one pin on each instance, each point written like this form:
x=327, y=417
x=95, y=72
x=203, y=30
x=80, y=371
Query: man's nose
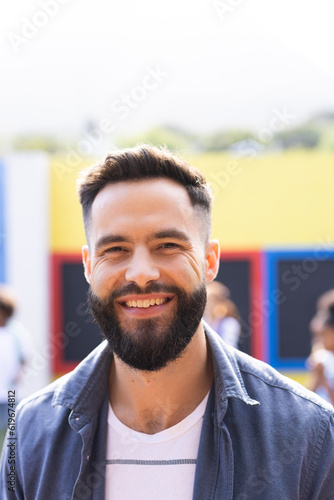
x=142, y=269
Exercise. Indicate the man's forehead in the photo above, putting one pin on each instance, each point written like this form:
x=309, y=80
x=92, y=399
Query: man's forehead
x=152, y=193
x=145, y=205
x=129, y=191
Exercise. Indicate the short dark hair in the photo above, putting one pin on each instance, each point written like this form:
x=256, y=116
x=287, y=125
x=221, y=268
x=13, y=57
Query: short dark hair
x=140, y=163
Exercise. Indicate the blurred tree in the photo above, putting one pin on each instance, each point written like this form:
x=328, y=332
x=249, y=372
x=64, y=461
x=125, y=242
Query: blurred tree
x=37, y=142
x=317, y=132
x=306, y=136
x=174, y=138
x=327, y=139
x=224, y=139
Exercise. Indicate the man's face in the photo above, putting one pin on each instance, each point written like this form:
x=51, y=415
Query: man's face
x=147, y=264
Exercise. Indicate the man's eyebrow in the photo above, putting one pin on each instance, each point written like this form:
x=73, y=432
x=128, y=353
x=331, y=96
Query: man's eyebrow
x=171, y=233
x=111, y=238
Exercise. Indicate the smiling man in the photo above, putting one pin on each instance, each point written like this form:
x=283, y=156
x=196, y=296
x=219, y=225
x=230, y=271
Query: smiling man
x=147, y=263
x=163, y=408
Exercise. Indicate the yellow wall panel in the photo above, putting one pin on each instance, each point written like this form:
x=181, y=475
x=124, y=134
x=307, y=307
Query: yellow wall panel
x=283, y=199
x=67, y=232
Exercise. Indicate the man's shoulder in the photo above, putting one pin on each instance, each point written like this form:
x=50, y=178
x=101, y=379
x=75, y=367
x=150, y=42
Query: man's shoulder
x=255, y=382
x=69, y=389
x=38, y=413
x=282, y=434
x=265, y=380
x=44, y=395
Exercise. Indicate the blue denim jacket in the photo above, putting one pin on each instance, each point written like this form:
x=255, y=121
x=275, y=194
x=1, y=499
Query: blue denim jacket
x=264, y=437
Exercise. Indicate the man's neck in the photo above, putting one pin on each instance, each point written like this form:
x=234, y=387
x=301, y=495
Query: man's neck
x=150, y=402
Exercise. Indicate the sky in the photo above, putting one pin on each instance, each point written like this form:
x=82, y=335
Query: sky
x=126, y=66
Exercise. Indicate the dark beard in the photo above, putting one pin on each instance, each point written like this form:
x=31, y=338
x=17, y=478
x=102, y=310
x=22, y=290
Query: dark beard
x=152, y=343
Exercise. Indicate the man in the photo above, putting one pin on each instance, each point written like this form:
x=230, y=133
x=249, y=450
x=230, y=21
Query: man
x=163, y=409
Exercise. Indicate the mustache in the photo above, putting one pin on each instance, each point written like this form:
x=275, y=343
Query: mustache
x=134, y=289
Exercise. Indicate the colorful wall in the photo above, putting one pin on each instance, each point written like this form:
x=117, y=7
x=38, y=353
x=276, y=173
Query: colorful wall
x=271, y=214
x=267, y=210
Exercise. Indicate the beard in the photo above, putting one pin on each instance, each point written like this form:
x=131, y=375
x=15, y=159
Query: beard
x=150, y=344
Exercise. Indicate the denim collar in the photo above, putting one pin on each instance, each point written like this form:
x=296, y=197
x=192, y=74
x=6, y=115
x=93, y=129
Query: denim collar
x=84, y=389
x=227, y=375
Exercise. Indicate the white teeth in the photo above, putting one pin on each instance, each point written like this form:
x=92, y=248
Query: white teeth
x=145, y=303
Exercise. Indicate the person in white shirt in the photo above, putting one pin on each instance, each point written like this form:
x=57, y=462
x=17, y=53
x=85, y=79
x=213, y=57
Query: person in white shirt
x=11, y=354
x=322, y=364
x=222, y=314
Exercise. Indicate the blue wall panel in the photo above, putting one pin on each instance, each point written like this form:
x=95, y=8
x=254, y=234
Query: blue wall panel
x=294, y=280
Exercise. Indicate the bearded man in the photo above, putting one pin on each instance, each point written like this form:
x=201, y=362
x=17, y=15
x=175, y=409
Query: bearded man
x=163, y=408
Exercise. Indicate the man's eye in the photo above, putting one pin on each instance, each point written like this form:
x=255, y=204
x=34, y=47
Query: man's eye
x=114, y=249
x=170, y=245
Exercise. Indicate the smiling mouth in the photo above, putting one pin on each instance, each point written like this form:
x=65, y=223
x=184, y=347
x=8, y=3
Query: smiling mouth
x=145, y=304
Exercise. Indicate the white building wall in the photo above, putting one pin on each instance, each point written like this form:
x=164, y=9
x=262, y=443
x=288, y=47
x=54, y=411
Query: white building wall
x=27, y=256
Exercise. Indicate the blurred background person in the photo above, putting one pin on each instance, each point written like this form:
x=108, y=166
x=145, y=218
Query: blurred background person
x=14, y=353
x=323, y=304
x=222, y=314
x=321, y=361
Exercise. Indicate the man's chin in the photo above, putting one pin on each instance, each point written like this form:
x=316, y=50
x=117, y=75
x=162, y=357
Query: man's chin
x=144, y=334
x=150, y=343
x=147, y=346
x=138, y=326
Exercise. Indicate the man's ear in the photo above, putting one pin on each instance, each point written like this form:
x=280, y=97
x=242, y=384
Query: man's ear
x=212, y=257
x=86, y=260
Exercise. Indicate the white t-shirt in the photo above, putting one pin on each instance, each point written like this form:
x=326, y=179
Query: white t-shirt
x=157, y=466
x=228, y=329
x=327, y=359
